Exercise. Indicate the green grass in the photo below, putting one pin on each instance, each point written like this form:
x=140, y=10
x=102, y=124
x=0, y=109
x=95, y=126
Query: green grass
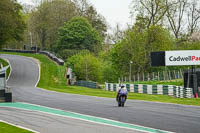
x=6, y=128
x=5, y=63
x=52, y=78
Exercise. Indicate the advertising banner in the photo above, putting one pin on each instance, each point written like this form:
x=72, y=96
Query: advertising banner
x=180, y=58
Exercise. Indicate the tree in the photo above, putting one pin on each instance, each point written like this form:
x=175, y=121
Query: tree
x=12, y=23
x=141, y=23
x=109, y=73
x=175, y=14
x=152, y=10
x=160, y=39
x=86, y=66
x=135, y=47
x=88, y=11
x=193, y=16
x=49, y=15
x=116, y=35
x=78, y=34
x=82, y=5
x=46, y=19
x=131, y=48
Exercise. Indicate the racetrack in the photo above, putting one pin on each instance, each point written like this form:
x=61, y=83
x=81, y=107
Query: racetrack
x=46, y=123
x=170, y=117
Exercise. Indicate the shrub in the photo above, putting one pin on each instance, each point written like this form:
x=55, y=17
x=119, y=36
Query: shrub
x=86, y=66
x=67, y=53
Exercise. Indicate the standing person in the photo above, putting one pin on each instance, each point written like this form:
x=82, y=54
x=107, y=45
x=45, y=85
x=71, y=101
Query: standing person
x=69, y=76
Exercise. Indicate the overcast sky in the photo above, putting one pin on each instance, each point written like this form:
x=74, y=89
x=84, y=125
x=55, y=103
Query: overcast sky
x=115, y=11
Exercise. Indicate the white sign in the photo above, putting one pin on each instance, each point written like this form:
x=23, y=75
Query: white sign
x=180, y=58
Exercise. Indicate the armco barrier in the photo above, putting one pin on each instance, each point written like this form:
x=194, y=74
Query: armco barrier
x=19, y=51
x=88, y=84
x=171, y=90
x=50, y=55
x=53, y=57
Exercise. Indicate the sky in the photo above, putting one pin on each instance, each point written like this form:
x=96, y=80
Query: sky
x=115, y=11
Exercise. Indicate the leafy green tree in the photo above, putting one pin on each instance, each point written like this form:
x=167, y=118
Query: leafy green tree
x=78, y=34
x=159, y=38
x=152, y=10
x=109, y=73
x=97, y=21
x=135, y=47
x=66, y=53
x=12, y=23
x=131, y=48
x=87, y=10
x=47, y=18
x=86, y=66
x=190, y=46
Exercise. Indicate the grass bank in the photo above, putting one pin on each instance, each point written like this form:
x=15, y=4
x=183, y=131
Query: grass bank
x=52, y=78
x=5, y=63
x=6, y=128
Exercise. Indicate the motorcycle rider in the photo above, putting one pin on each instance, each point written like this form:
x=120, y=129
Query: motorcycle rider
x=122, y=92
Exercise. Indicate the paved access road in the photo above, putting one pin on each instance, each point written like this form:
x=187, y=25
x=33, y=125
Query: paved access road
x=170, y=117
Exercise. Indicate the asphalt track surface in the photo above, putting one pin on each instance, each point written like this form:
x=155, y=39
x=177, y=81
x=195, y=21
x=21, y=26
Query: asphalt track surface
x=46, y=123
x=170, y=117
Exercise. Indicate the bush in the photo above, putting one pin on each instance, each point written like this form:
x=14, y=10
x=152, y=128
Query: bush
x=86, y=66
x=109, y=74
x=67, y=53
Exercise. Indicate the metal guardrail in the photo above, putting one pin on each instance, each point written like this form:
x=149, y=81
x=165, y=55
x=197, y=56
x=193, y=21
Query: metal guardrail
x=49, y=54
x=5, y=92
x=19, y=51
x=53, y=57
x=88, y=84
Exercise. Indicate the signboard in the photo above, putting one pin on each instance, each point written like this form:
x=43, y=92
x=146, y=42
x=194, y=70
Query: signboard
x=180, y=58
x=158, y=58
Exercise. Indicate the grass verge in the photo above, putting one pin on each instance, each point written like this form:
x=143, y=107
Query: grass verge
x=6, y=128
x=52, y=78
x=5, y=63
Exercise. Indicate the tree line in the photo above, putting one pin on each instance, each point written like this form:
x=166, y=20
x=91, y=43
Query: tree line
x=76, y=32
x=12, y=24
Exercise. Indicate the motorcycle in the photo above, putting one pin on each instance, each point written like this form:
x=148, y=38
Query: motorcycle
x=121, y=101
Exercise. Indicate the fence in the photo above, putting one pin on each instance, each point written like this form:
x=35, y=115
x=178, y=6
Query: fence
x=171, y=90
x=5, y=92
x=88, y=84
x=19, y=51
x=160, y=76
x=49, y=54
x=53, y=57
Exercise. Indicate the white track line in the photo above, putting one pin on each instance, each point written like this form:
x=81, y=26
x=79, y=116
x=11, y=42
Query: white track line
x=38, y=63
